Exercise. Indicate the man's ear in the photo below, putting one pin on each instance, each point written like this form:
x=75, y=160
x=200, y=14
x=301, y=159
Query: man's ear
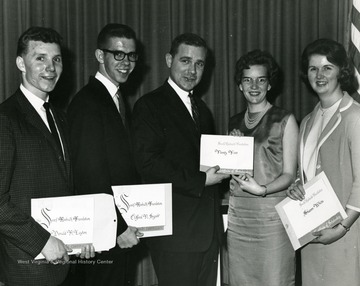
x=169, y=59
x=20, y=64
x=269, y=87
x=99, y=54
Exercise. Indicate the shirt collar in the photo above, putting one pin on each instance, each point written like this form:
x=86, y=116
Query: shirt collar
x=111, y=88
x=35, y=101
x=180, y=92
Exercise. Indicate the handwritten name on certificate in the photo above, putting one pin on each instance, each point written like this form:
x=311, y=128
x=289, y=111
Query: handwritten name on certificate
x=78, y=220
x=320, y=209
x=147, y=207
x=233, y=154
x=69, y=219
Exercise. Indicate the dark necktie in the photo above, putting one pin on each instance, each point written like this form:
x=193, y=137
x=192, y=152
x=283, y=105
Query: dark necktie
x=121, y=106
x=52, y=126
x=195, y=111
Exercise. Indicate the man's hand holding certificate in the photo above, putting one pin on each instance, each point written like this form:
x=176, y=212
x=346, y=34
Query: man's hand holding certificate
x=233, y=154
x=78, y=221
x=319, y=209
x=147, y=207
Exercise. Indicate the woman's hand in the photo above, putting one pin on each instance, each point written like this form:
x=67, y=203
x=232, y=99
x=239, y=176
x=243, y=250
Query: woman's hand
x=235, y=189
x=329, y=235
x=236, y=132
x=245, y=183
x=296, y=191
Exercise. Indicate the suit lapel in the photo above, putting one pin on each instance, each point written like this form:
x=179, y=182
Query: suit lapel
x=33, y=118
x=304, y=132
x=181, y=115
x=61, y=125
x=104, y=98
x=335, y=120
x=329, y=128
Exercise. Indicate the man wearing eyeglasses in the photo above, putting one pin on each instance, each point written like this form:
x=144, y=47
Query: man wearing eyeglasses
x=101, y=144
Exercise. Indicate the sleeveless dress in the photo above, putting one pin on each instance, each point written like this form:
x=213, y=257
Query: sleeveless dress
x=260, y=252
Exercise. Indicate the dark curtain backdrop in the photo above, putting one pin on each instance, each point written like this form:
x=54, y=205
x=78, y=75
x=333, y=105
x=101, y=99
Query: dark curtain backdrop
x=231, y=28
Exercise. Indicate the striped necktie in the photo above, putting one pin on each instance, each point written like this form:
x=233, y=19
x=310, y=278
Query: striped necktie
x=195, y=111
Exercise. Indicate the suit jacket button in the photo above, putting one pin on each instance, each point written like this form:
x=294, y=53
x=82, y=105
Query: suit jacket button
x=318, y=166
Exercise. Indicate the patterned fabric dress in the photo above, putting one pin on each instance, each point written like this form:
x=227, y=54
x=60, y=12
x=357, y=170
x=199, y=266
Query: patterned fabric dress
x=260, y=252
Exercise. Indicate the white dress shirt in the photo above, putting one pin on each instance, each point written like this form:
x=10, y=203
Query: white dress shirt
x=184, y=95
x=38, y=105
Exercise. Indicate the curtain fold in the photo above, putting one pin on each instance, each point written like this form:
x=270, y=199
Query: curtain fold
x=231, y=28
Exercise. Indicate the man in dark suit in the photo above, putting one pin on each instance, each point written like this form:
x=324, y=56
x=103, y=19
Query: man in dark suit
x=167, y=124
x=32, y=165
x=100, y=142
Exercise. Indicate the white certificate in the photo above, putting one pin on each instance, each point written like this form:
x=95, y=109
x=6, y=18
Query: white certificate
x=78, y=220
x=146, y=207
x=233, y=154
x=320, y=209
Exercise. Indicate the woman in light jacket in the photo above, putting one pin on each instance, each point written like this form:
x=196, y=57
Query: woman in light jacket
x=330, y=141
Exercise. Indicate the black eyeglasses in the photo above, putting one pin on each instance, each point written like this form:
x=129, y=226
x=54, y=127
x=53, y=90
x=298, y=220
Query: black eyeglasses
x=120, y=55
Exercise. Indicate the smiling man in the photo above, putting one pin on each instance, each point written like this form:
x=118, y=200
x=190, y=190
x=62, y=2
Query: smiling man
x=100, y=142
x=167, y=125
x=33, y=164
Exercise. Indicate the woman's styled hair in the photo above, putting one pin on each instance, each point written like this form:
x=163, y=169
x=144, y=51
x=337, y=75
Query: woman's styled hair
x=335, y=53
x=258, y=57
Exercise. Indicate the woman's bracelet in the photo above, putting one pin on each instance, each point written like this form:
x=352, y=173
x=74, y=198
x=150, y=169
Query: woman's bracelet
x=346, y=228
x=265, y=193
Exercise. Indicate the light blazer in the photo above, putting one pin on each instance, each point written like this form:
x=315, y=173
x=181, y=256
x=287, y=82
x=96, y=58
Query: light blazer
x=167, y=150
x=338, y=150
x=101, y=148
x=30, y=167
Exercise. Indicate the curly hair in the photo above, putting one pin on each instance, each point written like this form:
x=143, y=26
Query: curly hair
x=335, y=53
x=258, y=57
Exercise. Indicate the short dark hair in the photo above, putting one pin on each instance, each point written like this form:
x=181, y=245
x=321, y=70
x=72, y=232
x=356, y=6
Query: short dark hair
x=114, y=30
x=187, y=39
x=258, y=57
x=336, y=54
x=42, y=34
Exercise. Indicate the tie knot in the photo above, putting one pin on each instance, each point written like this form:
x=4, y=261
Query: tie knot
x=46, y=105
x=192, y=98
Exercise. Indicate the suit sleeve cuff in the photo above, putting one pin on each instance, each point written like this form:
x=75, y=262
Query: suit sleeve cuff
x=121, y=223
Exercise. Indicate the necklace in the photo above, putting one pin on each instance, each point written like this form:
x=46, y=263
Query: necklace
x=252, y=122
x=323, y=110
